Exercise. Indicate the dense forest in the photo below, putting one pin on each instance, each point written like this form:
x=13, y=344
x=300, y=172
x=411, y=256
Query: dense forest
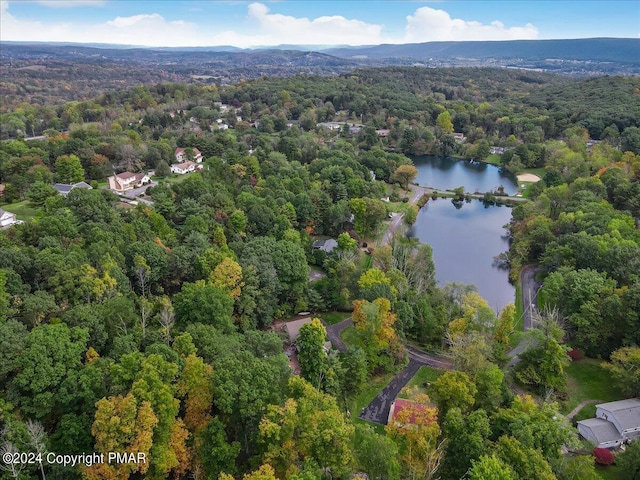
x=154, y=326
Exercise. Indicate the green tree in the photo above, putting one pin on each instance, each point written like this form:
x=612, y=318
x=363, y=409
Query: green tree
x=444, y=123
x=39, y=192
x=467, y=439
x=453, y=389
x=215, y=453
x=203, y=302
x=310, y=344
x=309, y=427
x=625, y=370
x=404, y=175
x=50, y=353
x=526, y=462
x=629, y=462
x=367, y=448
x=490, y=467
x=368, y=214
x=69, y=169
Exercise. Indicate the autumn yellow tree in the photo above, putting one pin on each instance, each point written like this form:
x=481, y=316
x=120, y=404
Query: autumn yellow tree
x=121, y=425
x=415, y=429
x=308, y=427
x=374, y=320
x=227, y=275
x=404, y=174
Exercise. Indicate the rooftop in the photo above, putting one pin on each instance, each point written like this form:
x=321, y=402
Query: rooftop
x=626, y=412
x=602, y=430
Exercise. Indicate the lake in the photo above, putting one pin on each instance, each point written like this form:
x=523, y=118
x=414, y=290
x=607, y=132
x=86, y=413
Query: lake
x=465, y=240
x=447, y=173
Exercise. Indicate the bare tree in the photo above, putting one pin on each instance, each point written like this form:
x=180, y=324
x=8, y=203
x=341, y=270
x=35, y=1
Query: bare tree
x=37, y=437
x=166, y=318
x=12, y=468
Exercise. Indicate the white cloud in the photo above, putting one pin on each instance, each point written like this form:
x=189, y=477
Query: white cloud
x=336, y=29
x=428, y=24
x=265, y=28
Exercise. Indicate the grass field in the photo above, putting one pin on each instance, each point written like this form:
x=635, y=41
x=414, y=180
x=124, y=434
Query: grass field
x=610, y=472
x=24, y=210
x=587, y=380
x=334, y=317
x=425, y=375
x=351, y=338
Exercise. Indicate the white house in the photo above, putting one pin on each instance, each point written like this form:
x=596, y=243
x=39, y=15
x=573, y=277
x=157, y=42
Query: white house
x=7, y=219
x=181, y=156
x=124, y=181
x=185, y=167
x=615, y=423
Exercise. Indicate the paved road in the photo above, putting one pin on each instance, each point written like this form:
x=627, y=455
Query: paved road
x=334, y=331
x=396, y=222
x=529, y=292
x=378, y=410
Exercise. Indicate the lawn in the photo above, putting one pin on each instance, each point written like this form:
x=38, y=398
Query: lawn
x=610, y=472
x=332, y=318
x=587, y=380
x=368, y=393
x=493, y=159
x=420, y=379
x=24, y=210
x=172, y=179
x=351, y=337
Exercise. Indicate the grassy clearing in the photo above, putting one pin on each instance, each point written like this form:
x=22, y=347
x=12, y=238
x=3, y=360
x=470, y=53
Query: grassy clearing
x=171, y=179
x=588, y=380
x=493, y=159
x=24, y=210
x=611, y=472
x=351, y=337
x=334, y=317
x=420, y=379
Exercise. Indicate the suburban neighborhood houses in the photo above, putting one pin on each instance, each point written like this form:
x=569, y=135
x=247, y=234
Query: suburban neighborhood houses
x=64, y=188
x=7, y=219
x=615, y=424
x=121, y=182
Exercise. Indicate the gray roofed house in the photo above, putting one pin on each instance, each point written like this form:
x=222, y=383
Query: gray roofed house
x=293, y=330
x=615, y=423
x=601, y=433
x=326, y=245
x=64, y=188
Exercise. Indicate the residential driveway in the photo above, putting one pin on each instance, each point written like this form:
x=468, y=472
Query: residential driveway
x=530, y=287
x=378, y=410
x=136, y=192
x=334, y=331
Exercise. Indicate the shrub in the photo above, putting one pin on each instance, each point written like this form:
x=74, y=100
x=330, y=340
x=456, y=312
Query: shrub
x=575, y=354
x=603, y=456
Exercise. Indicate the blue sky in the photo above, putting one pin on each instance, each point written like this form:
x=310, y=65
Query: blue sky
x=309, y=22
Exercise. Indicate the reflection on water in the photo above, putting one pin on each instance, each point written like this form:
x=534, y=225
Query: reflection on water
x=466, y=236
x=447, y=173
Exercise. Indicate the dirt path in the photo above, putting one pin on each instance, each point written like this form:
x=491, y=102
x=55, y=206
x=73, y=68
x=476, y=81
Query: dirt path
x=580, y=406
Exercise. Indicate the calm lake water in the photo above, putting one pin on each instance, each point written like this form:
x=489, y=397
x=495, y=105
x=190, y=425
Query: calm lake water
x=465, y=240
x=448, y=173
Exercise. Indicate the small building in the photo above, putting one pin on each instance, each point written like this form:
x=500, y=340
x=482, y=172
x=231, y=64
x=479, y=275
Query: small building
x=181, y=155
x=615, y=423
x=185, y=167
x=383, y=132
x=399, y=405
x=325, y=245
x=64, y=188
x=124, y=181
x=498, y=150
x=293, y=330
x=7, y=219
x=459, y=137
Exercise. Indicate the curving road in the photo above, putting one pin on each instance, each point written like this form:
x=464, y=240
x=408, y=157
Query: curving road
x=378, y=409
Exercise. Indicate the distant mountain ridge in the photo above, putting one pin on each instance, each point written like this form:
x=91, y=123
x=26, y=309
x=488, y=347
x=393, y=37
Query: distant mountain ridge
x=625, y=50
